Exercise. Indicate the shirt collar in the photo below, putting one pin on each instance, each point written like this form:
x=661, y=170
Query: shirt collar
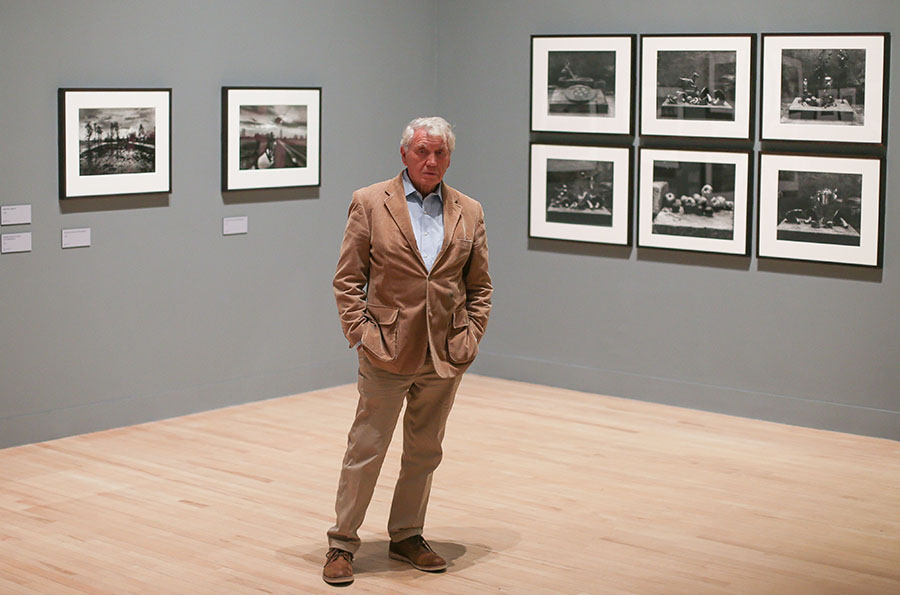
x=409, y=189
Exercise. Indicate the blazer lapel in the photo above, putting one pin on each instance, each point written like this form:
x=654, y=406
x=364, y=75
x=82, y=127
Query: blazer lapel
x=396, y=205
x=452, y=213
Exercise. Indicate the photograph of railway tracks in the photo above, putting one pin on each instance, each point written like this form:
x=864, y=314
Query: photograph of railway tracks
x=273, y=136
x=270, y=137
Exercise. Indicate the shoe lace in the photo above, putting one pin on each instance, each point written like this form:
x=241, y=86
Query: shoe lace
x=423, y=543
x=336, y=552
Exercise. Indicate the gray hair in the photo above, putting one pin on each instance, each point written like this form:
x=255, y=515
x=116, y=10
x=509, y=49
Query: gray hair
x=434, y=126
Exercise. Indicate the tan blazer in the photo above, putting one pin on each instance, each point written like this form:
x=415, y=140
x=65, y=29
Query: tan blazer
x=388, y=300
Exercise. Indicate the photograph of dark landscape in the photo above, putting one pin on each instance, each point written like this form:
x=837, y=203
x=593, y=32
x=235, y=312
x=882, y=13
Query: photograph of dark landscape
x=119, y=140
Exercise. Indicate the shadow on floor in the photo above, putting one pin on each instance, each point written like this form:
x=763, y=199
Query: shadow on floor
x=469, y=546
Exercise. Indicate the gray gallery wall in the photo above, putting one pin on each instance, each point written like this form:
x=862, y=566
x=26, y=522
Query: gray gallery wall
x=163, y=316
x=802, y=343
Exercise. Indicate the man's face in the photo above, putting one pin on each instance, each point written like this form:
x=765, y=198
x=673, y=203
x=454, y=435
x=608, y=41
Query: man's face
x=426, y=159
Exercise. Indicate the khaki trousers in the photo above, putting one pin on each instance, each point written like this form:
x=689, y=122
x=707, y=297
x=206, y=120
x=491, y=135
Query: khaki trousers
x=381, y=395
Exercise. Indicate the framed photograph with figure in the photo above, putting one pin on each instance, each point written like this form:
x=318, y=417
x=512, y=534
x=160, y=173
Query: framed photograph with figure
x=114, y=141
x=271, y=137
x=825, y=88
x=828, y=209
x=580, y=193
x=694, y=200
x=582, y=83
x=700, y=86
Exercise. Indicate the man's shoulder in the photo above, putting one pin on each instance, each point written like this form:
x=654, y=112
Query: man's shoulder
x=378, y=190
x=465, y=201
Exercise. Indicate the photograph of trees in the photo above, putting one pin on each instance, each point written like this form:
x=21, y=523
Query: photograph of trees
x=117, y=140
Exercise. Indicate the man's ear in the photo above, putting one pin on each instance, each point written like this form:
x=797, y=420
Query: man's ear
x=403, y=155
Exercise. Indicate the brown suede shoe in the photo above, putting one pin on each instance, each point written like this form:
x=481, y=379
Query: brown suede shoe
x=416, y=551
x=338, y=567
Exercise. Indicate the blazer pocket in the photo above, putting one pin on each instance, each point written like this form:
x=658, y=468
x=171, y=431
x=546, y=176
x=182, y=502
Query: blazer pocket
x=459, y=250
x=462, y=347
x=380, y=336
x=463, y=245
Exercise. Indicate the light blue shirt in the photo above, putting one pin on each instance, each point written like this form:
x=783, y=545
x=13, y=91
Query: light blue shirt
x=427, y=217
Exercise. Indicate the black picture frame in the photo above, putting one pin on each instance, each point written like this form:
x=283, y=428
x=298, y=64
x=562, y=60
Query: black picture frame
x=114, y=141
x=582, y=83
x=825, y=87
x=698, y=86
x=695, y=200
x=271, y=137
x=581, y=193
x=821, y=208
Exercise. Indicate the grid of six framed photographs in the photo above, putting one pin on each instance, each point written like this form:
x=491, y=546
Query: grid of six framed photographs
x=697, y=109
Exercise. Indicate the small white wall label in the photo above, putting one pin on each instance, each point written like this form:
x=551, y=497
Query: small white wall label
x=15, y=242
x=15, y=215
x=76, y=238
x=234, y=225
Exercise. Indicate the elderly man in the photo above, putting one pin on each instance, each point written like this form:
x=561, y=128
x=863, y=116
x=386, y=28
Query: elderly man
x=413, y=294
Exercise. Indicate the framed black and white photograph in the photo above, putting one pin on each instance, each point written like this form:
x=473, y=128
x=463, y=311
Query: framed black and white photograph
x=694, y=200
x=582, y=83
x=820, y=208
x=580, y=193
x=114, y=141
x=829, y=88
x=698, y=86
x=271, y=137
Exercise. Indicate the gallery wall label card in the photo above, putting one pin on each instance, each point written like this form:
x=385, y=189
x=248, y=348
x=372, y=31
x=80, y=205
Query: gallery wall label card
x=76, y=238
x=15, y=242
x=15, y=215
x=234, y=225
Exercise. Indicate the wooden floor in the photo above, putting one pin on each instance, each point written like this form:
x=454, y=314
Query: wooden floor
x=542, y=491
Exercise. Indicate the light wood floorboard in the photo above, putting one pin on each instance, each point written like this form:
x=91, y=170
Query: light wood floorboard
x=542, y=490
